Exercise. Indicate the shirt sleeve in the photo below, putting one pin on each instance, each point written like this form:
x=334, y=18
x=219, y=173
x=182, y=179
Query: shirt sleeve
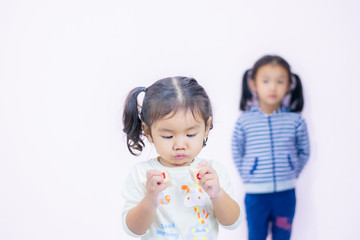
x=226, y=185
x=133, y=192
x=237, y=145
x=302, y=145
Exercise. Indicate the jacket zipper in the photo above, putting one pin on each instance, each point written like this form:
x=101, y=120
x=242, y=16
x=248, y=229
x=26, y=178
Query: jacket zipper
x=272, y=152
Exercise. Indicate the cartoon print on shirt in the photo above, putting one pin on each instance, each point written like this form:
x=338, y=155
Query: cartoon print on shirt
x=199, y=232
x=195, y=198
x=164, y=199
x=202, y=214
x=194, y=195
x=168, y=231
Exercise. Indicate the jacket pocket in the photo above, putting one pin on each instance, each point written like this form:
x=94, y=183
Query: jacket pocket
x=254, y=167
x=290, y=162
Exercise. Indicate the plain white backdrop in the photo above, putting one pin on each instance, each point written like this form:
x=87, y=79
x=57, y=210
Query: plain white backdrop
x=66, y=67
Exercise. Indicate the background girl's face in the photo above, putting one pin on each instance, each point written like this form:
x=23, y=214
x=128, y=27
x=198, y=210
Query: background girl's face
x=271, y=84
x=178, y=138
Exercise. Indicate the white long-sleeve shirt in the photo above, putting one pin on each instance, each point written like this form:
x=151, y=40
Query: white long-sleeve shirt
x=185, y=211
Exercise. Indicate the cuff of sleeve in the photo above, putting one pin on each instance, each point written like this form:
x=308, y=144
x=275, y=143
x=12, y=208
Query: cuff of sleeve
x=237, y=223
x=127, y=230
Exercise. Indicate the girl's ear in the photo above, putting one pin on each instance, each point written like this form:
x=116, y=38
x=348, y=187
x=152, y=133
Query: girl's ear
x=207, y=127
x=146, y=130
x=252, y=84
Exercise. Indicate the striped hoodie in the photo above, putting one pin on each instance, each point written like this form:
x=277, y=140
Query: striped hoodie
x=270, y=150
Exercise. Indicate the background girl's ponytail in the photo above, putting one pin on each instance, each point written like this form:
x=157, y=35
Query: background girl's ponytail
x=296, y=99
x=132, y=122
x=246, y=94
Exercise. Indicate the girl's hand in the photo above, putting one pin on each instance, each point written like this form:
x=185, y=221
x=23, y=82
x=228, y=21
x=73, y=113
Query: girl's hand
x=140, y=217
x=209, y=180
x=154, y=186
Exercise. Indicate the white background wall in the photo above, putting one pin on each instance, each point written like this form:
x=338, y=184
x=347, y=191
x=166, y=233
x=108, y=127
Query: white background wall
x=66, y=67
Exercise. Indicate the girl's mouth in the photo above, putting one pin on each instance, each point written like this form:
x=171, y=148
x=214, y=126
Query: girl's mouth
x=180, y=156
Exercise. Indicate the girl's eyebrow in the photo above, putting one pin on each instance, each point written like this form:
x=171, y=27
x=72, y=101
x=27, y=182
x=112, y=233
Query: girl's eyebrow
x=267, y=75
x=193, y=127
x=164, y=130
x=169, y=130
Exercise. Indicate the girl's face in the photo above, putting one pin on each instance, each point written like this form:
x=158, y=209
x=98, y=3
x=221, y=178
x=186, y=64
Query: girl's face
x=271, y=84
x=178, y=138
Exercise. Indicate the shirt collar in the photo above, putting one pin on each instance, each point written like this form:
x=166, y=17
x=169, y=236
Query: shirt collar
x=281, y=109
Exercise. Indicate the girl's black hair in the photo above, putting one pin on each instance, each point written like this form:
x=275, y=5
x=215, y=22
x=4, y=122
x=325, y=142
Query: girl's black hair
x=296, y=103
x=165, y=96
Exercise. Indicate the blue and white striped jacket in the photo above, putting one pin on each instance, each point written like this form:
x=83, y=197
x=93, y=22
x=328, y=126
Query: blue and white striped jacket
x=270, y=151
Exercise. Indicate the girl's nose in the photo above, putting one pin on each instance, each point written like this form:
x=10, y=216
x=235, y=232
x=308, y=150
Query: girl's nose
x=272, y=85
x=179, y=143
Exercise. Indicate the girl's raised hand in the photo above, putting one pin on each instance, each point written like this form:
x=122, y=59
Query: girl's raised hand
x=209, y=180
x=154, y=186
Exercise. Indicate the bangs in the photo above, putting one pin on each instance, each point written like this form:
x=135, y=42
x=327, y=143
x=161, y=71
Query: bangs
x=167, y=109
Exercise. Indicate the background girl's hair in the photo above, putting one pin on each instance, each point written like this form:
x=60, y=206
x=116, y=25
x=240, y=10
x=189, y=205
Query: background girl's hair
x=246, y=94
x=165, y=96
x=296, y=94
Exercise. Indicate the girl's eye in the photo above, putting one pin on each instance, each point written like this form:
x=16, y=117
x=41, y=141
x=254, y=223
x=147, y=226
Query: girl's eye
x=281, y=82
x=191, y=135
x=167, y=137
x=265, y=81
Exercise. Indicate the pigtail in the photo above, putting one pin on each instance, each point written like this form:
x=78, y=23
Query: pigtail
x=296, y=99
x=132, y=122
x=246, y=95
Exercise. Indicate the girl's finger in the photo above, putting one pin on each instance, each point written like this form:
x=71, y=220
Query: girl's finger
x=202, y=164
x=208, y=170
x=152, y=172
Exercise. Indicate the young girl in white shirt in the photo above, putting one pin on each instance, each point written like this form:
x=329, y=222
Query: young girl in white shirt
x=163, y=199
